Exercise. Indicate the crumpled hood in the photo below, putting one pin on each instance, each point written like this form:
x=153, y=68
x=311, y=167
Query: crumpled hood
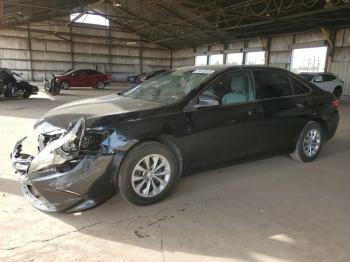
x=93, y=109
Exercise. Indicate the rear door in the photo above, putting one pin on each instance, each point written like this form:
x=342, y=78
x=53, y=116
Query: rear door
x=285, y=114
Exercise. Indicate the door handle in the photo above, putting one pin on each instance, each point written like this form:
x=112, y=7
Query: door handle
x=254, y=112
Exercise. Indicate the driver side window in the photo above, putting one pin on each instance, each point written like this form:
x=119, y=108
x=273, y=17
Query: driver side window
x=232, y=88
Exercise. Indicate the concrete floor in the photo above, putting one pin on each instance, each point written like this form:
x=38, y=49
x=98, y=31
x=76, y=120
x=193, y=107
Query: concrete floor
x=273, y=210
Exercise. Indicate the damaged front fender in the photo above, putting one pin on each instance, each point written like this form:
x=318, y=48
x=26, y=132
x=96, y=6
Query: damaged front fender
x=66, y=177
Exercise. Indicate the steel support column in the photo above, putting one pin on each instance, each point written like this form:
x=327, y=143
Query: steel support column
x=29, y=43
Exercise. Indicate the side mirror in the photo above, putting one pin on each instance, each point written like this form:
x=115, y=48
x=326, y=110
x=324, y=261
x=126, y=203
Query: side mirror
x=207, y=101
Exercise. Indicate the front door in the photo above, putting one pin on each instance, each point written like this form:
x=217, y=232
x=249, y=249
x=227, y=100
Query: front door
x=230, y=130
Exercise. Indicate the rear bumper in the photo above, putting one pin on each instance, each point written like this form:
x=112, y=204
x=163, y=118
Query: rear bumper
x=86, y=184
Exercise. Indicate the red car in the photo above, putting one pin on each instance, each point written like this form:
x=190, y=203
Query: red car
x=83, y=77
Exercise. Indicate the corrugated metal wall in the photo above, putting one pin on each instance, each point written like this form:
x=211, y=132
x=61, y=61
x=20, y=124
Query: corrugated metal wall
x=341, y=59
x=281, y=48
x=88, y=49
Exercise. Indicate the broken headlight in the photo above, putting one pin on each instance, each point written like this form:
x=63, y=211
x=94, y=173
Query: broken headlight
x=72, y=140
x=58, y=151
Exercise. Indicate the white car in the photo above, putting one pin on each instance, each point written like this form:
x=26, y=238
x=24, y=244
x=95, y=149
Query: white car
x=326, y=81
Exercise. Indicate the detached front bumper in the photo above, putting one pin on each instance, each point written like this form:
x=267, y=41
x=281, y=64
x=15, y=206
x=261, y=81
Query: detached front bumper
x=72, y=186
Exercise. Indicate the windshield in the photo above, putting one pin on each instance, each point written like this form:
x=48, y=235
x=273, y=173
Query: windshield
x=308, y=77
x=169, y=87
x=68, y=71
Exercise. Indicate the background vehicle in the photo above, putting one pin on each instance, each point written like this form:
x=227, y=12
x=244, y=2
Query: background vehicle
x=83, y=77
x=10, y=87
x=140, y=142
x=326, y=81
x=132, y=79
x=51, y=86
x=145, y=76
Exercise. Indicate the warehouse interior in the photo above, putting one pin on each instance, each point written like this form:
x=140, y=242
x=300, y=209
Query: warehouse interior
x=39, y=38
x=267, y=210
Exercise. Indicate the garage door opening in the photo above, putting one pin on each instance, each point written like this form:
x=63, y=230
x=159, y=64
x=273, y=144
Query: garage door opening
x=309, y=59
x=216, y=59
x=234, y=58
x=255, y=58
x=200, y=60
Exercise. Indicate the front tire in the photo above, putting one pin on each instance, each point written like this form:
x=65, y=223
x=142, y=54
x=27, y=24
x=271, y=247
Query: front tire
x=309, y=143
x=148, y=173
x=65, y=85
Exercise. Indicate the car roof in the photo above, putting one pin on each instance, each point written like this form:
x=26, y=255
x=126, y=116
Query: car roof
x=314, y=73
x=222, y=68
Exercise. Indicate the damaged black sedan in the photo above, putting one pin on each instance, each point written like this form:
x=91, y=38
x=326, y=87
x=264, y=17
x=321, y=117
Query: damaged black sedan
x=141, y=141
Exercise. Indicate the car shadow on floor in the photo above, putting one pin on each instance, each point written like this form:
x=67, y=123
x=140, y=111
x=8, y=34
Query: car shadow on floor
x=239, y=212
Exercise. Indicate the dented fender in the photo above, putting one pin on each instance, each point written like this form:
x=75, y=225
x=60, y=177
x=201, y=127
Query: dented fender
x=55, y=181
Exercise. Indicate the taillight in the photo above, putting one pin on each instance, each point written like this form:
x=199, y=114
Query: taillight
x=335, y=103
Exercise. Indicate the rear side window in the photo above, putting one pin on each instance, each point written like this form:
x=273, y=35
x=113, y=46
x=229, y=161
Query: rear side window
x=299, y=88
x=273, y=84
x=328, y=77
x=80, y=72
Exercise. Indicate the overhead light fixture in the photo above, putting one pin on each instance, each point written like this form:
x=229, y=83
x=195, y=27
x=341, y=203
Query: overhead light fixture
x=117, y=3
x=131, y=43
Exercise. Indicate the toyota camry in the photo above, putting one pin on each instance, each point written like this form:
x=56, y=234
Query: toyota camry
x=141, y=141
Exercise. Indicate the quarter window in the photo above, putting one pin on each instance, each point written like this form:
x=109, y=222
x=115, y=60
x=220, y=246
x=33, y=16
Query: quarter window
x=328, y=77
x=232, y=88
x=273, y=84
x=298, y=88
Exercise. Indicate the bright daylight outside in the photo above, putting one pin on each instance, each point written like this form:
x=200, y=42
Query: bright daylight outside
x=216, y=59
x=89, y=18
x=200, y=60
x=234, y=58
x=309, y=59
x=255, y=58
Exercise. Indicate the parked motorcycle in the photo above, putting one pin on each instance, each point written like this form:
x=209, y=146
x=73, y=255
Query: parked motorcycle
x=10, y=87
x=52, y=87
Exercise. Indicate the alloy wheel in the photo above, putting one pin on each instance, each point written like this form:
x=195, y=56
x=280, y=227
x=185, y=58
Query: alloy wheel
x=65, y=85
x=100, y=85
x=312, y=142
x=151, y=175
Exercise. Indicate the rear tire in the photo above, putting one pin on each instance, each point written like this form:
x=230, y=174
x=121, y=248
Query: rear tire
x=144, y=182
x=309, y=143
x=99, y=85
x=337, y=92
